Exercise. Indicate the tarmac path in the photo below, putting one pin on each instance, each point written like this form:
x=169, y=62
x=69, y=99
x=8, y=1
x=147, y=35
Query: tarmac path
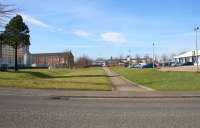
x=122, y=84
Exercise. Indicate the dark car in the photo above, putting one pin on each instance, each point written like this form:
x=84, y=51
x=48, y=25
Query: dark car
x=188, y=64
x=149, y=66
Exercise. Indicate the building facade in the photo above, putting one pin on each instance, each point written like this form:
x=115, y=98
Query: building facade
x=7, y=56
x=190, y=56
x=54, y=60
x=26, y=59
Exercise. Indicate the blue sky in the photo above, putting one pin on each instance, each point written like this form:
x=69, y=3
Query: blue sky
x=104, y=28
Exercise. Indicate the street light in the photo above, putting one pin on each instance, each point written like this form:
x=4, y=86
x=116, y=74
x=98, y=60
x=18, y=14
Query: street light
x=153, y=55
x=197, y=60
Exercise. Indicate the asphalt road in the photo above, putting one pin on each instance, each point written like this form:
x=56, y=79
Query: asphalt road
x=47, y=112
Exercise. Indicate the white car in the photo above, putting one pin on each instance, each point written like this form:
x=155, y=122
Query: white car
x=140, y=65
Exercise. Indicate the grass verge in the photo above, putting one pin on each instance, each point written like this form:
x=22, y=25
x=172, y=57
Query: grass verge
x=164, y=81
x=75, y=79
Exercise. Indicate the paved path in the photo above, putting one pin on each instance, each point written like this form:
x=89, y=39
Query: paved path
x=122, y=84
x=44, y=112
x=96, y=94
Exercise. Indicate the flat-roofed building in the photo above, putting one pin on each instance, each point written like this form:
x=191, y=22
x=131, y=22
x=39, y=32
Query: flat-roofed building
x=55, y=60
x=185, y=57
x=7, y=56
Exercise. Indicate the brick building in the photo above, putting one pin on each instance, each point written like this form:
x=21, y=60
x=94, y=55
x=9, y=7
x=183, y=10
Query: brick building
x=55, y=60
x=26, y=59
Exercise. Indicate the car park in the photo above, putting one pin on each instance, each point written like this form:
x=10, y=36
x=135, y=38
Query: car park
x=132, y=65
x=149, y=66
x=140, y=65
x=176, y=64
x=188, y=64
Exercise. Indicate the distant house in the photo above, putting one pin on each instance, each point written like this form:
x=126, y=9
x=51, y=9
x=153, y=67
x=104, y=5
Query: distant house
x=126, y=61
x=189, y=56
x=99, y=63
x=141, y=60
x=136, y=60
x=55, y=60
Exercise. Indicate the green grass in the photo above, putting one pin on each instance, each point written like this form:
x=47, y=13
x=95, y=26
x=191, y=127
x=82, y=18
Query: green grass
x=80, y=79
x=165, y=81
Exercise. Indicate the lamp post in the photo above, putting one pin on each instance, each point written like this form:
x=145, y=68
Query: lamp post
x=153, y=55
x=129, y=61
x=196, y=41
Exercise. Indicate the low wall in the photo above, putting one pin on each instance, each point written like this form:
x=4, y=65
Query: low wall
x=180, y=68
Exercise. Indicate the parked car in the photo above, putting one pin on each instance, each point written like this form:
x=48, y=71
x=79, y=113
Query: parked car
x=149, y=66
x=140, y=65
x=188, y=64
x=132, y=65
x=176, y=64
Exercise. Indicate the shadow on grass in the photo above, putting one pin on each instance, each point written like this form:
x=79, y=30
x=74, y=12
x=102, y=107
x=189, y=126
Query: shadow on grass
x=47, y=76
x=44, y=75
x=79, y=76
x=36, y=74
x=81, y=83
x=48, y=79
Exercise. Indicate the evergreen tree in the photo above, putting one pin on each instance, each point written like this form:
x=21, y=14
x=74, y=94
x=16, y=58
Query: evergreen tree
x=16, y=35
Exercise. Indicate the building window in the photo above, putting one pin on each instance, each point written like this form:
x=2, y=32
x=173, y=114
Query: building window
x=0, y=50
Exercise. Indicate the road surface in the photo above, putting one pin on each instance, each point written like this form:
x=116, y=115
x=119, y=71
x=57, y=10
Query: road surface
x=52, y=112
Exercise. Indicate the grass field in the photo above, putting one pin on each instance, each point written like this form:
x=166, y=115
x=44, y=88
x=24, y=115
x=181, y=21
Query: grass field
x=81, y=79
x=165, y=81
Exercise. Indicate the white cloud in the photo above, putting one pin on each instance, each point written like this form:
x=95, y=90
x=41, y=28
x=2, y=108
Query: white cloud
x=31, y=20
x=113, y=37
x=84, y=46
x=81, y=33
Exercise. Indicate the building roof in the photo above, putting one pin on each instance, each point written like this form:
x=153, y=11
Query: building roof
x=187, y=54
x=48, y=54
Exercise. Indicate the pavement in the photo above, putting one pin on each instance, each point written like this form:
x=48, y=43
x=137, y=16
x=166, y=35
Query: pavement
x=45, y=112
x=122, y=84
x=97, y=94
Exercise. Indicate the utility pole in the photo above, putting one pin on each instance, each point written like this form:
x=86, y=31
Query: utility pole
x=196, y=41
x=129, y=57
x=153, y=56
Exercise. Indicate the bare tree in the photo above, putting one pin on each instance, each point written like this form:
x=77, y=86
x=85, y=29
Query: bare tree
x=147, y=58
x=83, y=61
x=164, y=58
x=121, y=57
x=138, y=58
x=172, y=56
x=5, y=12
x=100, y=59
x=156, y=59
